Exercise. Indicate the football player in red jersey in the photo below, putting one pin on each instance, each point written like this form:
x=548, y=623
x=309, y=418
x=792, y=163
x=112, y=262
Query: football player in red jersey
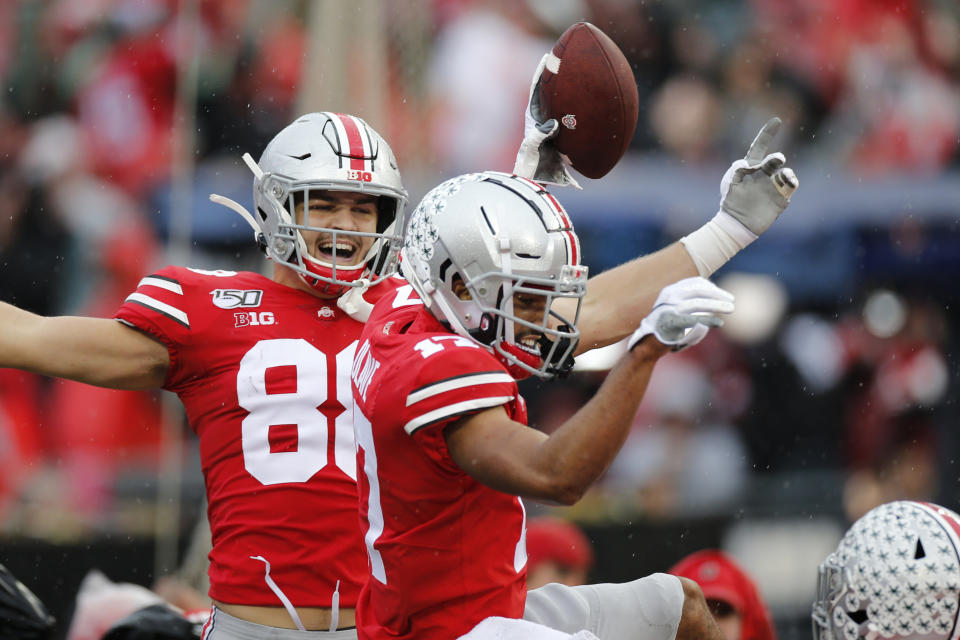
x=443, y=446
x=262, y=364
x=262, y=368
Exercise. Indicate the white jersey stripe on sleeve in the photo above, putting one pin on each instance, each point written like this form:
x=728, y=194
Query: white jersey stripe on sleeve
x=454, y=409
x=457, y=383
x=153, y=281
x=160, y=307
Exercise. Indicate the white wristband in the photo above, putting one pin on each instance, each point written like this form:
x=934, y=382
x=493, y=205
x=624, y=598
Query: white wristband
x=713, y=244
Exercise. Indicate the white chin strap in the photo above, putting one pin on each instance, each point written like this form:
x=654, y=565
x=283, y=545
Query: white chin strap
x=354, y=304
x=281, y=596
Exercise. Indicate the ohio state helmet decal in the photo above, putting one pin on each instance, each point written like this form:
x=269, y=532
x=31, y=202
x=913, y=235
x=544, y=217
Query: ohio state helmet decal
x=895, y=574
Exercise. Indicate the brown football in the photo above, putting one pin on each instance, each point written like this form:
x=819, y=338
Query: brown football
x=589, y=88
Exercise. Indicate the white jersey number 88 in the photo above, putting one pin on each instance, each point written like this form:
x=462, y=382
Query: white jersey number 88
x=298, y=408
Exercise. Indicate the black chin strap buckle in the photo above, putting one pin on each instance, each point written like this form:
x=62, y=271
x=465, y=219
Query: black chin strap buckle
x=560, y=366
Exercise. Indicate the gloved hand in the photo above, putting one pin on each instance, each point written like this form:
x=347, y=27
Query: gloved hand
x=684, y=313
x=756, y=189
x=537, y=158
x=753, y=193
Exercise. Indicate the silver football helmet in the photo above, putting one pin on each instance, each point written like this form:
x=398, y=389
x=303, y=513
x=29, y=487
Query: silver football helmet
x=895, y=574
x=325, y=152
x=499, y=235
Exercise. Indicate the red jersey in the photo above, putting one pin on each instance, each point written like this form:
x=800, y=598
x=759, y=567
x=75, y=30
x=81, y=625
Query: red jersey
x=445, y=550
x=263, y=372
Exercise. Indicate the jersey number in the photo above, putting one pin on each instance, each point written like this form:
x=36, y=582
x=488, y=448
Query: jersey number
x=292, y=411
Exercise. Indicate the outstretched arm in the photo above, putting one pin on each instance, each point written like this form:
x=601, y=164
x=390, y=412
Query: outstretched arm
x=97, y=351
x=754, y=191
x=513, y=458
x=618, y=296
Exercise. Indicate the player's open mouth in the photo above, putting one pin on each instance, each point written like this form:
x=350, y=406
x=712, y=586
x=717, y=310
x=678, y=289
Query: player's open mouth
x=530, y=343
x=341, y=252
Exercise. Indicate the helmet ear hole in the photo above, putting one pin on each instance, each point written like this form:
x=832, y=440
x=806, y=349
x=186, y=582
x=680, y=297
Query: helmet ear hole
x=488, y=325
x=459, y=287
x=858, y=616
x=486, y=332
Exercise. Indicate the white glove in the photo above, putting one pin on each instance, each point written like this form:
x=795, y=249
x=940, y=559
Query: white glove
x=756, y=189
x=684, y=313
x=537, y=158
x=753, y=193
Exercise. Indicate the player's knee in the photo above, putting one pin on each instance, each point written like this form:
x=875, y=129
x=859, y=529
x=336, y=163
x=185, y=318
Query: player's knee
x=696, y=623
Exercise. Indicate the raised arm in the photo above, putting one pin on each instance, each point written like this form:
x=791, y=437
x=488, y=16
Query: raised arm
x=754, y=191
x=97, y=351
x=513, y=458
x=618, y=296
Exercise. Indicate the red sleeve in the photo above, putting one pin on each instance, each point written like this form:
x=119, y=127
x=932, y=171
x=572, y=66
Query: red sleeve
x=390, y=297
x=456, y=380
x=159, y=308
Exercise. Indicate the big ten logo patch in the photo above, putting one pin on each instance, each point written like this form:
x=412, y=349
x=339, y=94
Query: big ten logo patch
x=236, y=298
x=252, y=318
x=361, y=176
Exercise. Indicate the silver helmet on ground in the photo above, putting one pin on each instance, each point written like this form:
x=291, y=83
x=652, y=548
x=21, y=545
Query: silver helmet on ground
x=895, y=575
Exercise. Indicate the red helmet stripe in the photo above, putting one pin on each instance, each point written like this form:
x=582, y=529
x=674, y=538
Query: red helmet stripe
x=566, y=227
x=536, y=185
x=946, y=516
x=950, y=518
x=559, y=209
x=355, y=141
x=574, y=247
x=573, y=244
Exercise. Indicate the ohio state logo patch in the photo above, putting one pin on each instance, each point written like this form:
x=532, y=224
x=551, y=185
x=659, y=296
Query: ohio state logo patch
x=569, y=121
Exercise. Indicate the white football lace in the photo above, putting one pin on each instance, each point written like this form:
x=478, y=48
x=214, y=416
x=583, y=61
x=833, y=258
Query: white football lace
x=335, y=608
x=282, y=596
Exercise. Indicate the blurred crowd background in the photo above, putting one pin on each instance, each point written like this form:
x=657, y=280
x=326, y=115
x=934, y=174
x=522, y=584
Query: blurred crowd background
x=830, y=391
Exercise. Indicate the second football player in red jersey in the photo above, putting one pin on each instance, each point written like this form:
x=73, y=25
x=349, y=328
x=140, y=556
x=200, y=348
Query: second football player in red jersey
x=442, y=442
x=262, y=368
